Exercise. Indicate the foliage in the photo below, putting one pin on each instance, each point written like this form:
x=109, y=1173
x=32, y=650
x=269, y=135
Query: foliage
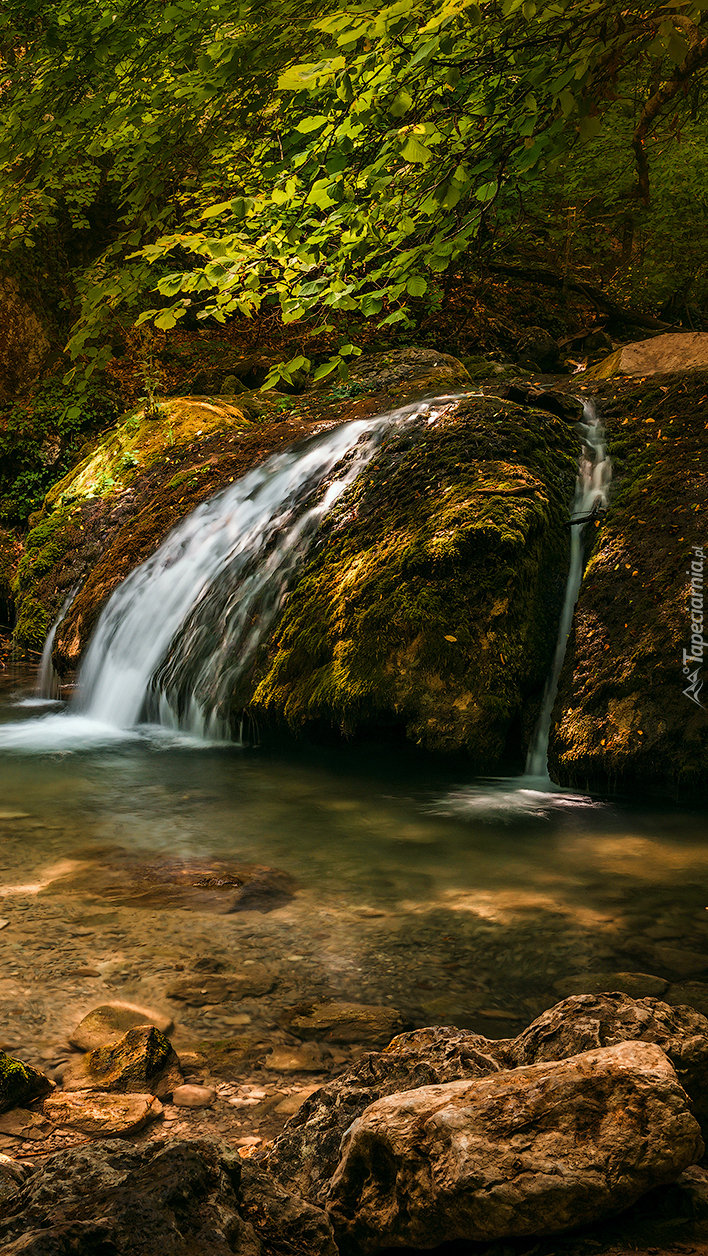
x=323, y=158
x=39, y=440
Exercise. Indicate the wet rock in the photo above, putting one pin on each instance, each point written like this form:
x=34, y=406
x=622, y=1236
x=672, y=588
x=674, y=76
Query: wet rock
x=305, y=1156
x=20, y=1083
x=533, y=1151
x=231, y=1057
x=102, y=1115
x=265, y=891
x=584, y=1022
x=682, y=963
x=143, y=1061
x=193, y=1096
x=343, y=1022
x=111, y=1021
x=558, y=403
x=112, y=1197
x=284, y=1223
x=232, y=386
x=638, y=985
x=254, y=980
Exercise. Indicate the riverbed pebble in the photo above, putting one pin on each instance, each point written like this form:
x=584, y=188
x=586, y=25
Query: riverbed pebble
x=190, y=1096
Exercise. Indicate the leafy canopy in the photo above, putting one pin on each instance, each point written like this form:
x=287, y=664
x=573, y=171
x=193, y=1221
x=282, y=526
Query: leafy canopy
x=322, y=156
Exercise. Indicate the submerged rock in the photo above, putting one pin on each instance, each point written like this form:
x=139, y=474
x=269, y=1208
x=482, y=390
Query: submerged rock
x=20, y=1083
x=343, y=1022
x=256, y=979
x=142, y=1061
x=533, y=1151
x=110, y=1021
x=102, y=1115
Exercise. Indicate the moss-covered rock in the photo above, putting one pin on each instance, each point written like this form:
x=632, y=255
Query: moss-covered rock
x=20, y=1083
x=622, y=718
x=433, y=598
x=142, y=1062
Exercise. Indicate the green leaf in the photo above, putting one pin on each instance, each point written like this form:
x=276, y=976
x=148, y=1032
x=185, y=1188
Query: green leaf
x=677, y=49
x=414, y=151
x=417, y=286
x=401, y=104
x=312, y=124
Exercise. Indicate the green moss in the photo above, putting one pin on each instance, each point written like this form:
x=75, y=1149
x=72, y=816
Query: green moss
x=433, y=598
x=19, y=1083
x=32, y=624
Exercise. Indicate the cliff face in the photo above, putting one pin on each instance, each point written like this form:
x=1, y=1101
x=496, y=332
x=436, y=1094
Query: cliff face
x=622, y=718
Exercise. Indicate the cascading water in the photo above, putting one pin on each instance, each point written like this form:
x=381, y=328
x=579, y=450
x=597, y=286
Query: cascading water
x=591, y=494
x=179, y=632
x=48, y=681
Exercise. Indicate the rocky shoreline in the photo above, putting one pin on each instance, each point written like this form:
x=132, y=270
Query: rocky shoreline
x=583, y=1133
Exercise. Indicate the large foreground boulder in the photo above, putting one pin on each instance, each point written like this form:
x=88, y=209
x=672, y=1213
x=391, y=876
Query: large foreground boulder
x=306, y=1154
x=175, y=1199
x=531, y=1151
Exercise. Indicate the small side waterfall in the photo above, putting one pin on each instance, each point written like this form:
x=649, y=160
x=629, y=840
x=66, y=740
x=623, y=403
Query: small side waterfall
x=48, y=681
x=591, y=493
x=181, y=630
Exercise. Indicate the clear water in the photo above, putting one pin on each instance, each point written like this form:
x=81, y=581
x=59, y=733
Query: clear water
x=452, y=900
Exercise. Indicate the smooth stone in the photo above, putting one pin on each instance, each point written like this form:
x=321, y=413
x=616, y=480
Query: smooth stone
x=193, y=1096
x=143, y=1061
x=4, y=924
x=638, y=985
x=254, y=980
x=305, y=1059
x=683, y=963
x=110, y=1021
x=343, y=1022
x=534, y=1151
x=673, y=351
x=20, y=1083
x=102, y=1114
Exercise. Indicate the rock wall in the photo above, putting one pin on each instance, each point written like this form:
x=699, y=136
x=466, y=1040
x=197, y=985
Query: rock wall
x=622, y=719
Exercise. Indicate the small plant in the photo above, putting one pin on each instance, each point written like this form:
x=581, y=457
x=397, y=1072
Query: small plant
x=128, y=460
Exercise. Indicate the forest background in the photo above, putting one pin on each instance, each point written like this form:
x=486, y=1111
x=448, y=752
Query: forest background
x=307, y=181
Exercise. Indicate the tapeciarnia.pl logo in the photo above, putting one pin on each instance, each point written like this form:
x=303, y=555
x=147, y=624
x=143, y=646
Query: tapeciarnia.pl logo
x=698, y=644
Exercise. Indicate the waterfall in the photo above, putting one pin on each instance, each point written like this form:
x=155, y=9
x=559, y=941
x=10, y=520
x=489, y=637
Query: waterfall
x=178, y=634
x=591, y=492
x=48, y=681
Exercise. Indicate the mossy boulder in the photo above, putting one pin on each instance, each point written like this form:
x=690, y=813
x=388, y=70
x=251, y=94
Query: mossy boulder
x=142, y=1062
x=433, y=598
x=20, y=1083
x=622, y=718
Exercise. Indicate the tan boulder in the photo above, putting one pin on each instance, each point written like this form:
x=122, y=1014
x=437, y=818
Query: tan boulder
x=530, y=1151
x=100, y=1114
x=675, y=351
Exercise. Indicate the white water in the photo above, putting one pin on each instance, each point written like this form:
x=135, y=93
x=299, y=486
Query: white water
x=48, y=681
x=591, y=491
x=178, y=633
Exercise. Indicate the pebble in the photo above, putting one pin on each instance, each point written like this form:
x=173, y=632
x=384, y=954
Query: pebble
x=193, y=1096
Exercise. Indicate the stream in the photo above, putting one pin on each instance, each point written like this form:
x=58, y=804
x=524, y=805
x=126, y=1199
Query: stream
x=127, y=822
